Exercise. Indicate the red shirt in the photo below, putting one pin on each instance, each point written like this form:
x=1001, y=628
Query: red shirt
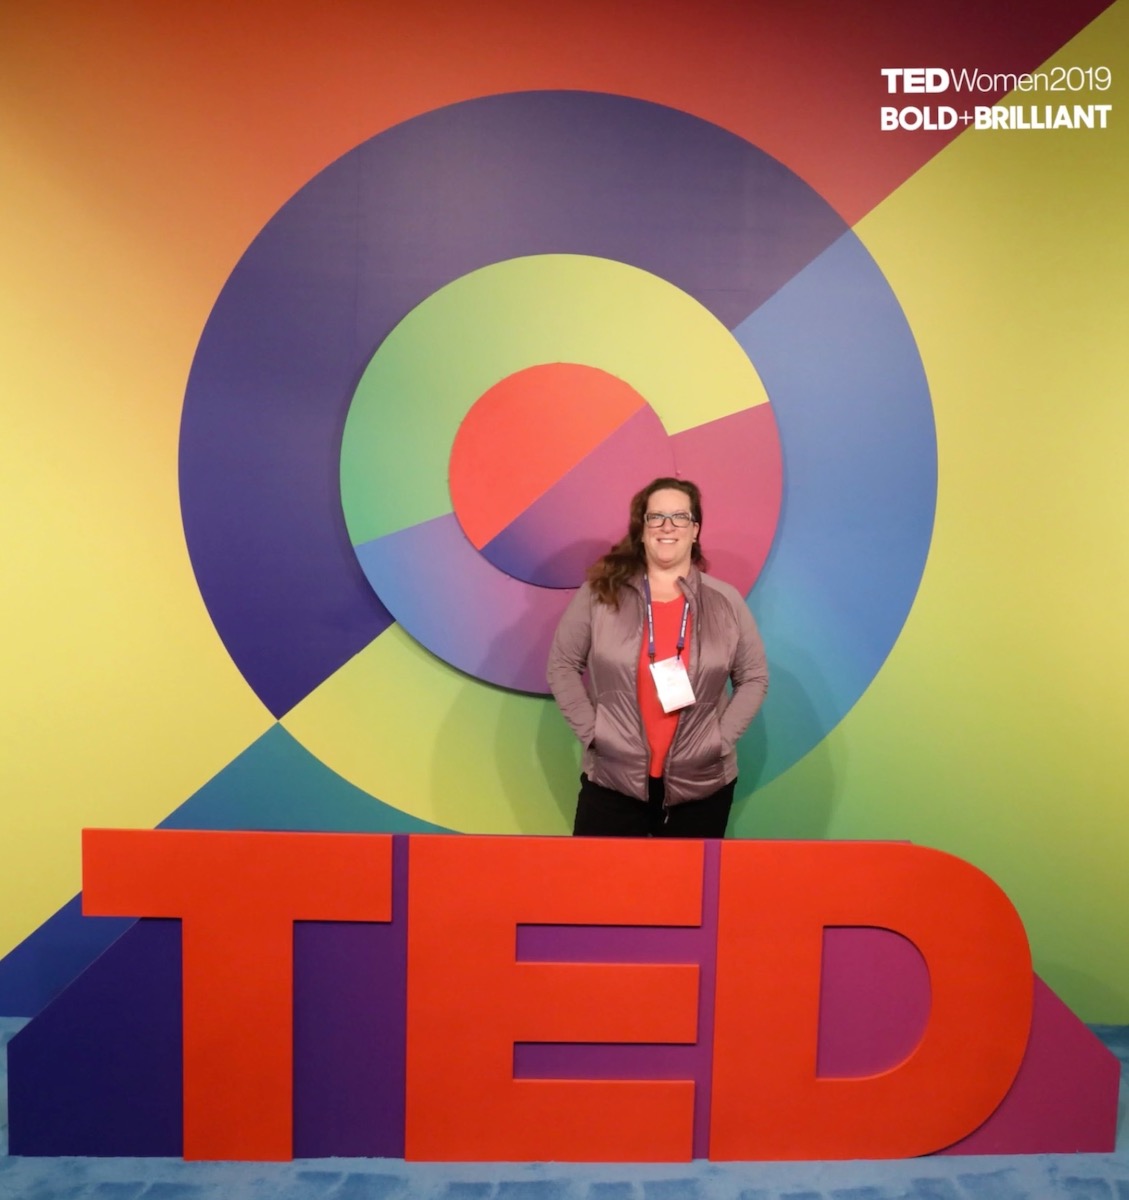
x=659, y=726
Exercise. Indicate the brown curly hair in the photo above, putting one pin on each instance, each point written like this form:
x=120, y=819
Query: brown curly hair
x=626, y=558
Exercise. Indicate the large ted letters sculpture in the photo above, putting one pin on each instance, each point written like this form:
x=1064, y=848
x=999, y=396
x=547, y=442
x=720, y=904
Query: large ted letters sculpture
x=484, y=986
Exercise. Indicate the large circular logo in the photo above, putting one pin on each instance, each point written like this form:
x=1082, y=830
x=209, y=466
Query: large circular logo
x=433, y=381
x=475, y=524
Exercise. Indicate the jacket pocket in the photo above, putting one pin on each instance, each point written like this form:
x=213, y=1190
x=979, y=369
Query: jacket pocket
x=617, y=759
x=608, y=738
x=699, y=754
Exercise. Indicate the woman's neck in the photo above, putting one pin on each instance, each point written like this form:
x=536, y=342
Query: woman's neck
x=663, y=581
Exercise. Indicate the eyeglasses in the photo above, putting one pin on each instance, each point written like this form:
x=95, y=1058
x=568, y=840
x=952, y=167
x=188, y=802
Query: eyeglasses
x=679, y=519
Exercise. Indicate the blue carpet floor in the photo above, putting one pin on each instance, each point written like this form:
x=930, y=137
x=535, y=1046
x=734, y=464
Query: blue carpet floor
x=1035, y=1177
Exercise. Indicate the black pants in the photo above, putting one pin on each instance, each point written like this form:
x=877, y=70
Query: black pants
x=601, y=812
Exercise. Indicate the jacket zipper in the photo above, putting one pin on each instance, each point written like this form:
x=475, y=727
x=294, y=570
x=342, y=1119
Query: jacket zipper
x=642, y=727
x=678, y=727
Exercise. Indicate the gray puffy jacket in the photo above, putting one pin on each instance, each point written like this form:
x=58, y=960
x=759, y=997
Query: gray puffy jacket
x=604, y=712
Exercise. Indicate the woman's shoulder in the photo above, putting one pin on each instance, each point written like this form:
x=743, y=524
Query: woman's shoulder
x=588, y=596
x=710, y=585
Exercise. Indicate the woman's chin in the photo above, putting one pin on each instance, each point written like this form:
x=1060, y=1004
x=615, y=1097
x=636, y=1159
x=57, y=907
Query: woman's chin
x=669, y=562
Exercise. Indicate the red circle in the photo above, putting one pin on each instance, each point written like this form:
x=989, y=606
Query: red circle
x=524, y=434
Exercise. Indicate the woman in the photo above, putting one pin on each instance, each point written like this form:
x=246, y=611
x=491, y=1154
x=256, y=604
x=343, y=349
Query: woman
x=660, y=641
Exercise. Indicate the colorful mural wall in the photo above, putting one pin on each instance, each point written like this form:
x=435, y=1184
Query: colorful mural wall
x=335, y=342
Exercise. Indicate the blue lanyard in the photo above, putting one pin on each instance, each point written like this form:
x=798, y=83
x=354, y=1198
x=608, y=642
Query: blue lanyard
x=651, y=623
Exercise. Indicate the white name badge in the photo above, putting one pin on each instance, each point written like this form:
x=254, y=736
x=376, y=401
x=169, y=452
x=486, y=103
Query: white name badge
x=672, y=684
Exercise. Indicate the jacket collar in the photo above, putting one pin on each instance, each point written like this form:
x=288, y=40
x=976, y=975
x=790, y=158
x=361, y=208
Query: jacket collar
x=691, y=583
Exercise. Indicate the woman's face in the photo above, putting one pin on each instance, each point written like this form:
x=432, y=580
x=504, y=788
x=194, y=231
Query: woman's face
x=667, y=546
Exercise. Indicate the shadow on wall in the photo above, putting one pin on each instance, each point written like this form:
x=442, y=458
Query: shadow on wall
x=566, y=566
x=514, y=780
x=539, y=776
x=558, y=751
x=791, y=716
x=527, y=756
